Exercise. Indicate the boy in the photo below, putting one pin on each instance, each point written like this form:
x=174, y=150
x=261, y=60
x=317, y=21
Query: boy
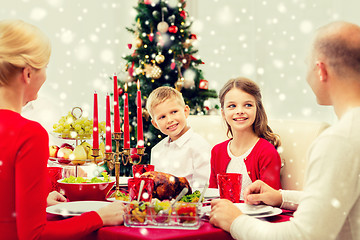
x=183, y=152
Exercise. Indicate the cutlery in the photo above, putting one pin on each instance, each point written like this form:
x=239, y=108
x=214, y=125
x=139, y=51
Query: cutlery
x=181, y=194
x=203, y=192
x=140, y=189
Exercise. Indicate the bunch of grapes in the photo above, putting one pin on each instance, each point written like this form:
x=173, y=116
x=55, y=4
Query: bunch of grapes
x=72, y=127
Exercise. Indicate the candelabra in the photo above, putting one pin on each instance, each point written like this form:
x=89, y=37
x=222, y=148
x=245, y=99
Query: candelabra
x=112, y=159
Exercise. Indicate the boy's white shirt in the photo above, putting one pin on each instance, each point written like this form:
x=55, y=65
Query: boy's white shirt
x=188, y=156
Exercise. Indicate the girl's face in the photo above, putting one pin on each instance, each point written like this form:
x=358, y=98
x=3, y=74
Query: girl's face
x=239, y=110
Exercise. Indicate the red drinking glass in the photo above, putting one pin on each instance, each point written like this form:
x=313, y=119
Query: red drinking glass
x=139, y=169
x=55, y=173
x=134, y=187
x=230, y=186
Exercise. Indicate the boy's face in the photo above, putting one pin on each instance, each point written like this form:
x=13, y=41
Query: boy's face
x=170, y=118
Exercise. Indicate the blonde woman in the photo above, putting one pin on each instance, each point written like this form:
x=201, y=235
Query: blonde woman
x=24, y=55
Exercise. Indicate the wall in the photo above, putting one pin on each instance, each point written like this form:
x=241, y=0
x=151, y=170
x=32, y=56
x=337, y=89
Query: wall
x=263, y=40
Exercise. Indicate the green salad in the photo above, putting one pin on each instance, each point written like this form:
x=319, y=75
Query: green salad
x=73, y=179
x=194, y=197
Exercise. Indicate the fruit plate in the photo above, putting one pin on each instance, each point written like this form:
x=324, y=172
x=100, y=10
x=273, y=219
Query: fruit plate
x=69, y=136
x=73, y=162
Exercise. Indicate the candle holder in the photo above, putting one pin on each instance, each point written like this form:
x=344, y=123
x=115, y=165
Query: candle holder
x=140, y=153
x=127, y=156
x=109, y=159
x=95, y=154
x=113, y=159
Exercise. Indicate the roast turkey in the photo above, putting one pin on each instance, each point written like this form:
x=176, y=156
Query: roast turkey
x=167, y=186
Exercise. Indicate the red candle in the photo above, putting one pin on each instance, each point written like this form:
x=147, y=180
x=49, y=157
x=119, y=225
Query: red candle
x=108, y=145
x=126, y=120
x=140, y=135
x=95, y=124
x=116, y=107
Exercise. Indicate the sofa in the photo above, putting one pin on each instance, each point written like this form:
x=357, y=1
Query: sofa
x=296, y=137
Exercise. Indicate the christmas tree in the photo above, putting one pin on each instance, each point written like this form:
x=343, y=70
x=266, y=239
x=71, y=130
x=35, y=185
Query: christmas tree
x=162, y=55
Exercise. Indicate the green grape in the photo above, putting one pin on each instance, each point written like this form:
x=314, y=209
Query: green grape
x=73, y=134
x=59, y=129
x=61, y=121
x=88, y=129
x=77, y=127
x=69, y=126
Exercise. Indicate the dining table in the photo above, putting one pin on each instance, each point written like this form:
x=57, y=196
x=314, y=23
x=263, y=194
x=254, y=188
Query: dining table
x=205, y=231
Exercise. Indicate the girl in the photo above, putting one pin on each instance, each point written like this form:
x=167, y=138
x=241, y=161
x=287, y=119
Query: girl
x=24, y=145
x=252, y=149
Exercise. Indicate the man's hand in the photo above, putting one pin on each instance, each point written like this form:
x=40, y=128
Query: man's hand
x=259, y=192
x=223, y=213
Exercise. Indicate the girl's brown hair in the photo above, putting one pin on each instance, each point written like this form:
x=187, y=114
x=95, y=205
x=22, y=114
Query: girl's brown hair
x=260, y=125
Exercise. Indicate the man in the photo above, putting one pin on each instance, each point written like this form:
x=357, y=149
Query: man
x=329, y=206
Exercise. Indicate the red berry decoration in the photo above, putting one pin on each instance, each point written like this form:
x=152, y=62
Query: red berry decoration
x=120, y=91
x=173, y=29
x=183, y=14
x=204, y=84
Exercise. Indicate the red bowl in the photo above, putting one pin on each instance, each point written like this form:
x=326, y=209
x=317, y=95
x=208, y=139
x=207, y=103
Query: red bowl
x=86, y=191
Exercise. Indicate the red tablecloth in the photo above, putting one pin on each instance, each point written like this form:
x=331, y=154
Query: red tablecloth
x=206, y=231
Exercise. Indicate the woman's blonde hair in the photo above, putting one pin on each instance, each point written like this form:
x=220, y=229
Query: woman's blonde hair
x=260, y=125
x=160, y=95
x=21, y=45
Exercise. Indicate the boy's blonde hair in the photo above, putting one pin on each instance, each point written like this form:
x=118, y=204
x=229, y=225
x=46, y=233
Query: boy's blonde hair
x=160, y=95
x=21, y=45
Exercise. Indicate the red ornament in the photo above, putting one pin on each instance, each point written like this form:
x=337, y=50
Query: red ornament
x=193, y=36
x=129, y=45
x=147, y=2
x=120, y=91
x=172, y=65
x=173, y=29
x=131, y=69
x=204, y=84
x=151, y=37
x=183, y=14
x=134, y=155
x=195, y=59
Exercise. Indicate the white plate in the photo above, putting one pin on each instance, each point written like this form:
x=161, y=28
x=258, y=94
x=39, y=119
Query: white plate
x=75, y=208
x=275, y=211
x=212, y=193
x=123, y=181
x=112, y=199
x=253, y=209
